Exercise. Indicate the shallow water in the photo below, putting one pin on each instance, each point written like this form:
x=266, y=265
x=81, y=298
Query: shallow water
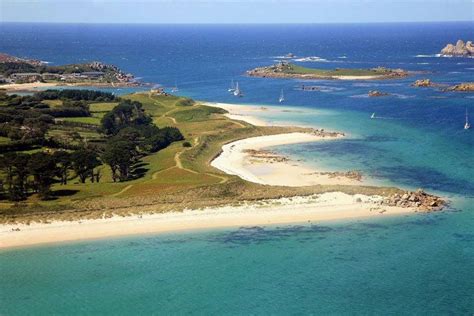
x=420, y=264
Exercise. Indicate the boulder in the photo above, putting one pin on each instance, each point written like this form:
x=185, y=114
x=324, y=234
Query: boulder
x=375, y=93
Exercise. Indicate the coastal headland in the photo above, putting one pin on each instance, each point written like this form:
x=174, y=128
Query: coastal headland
x=187, y=184
x=24, y=75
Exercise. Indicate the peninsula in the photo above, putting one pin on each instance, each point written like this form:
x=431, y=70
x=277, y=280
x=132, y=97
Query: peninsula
x=24, y=74
x=289, y=70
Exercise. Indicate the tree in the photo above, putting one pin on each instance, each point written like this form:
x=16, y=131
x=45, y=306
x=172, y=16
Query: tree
x=120, y=155
x=64, y=164
x=127, y=113
x=13, y=166
x=42, y=167
x=83, y=162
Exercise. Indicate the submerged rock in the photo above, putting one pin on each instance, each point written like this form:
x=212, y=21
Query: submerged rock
x=375, y=93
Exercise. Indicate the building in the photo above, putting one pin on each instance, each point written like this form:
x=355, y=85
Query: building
x=26, y=77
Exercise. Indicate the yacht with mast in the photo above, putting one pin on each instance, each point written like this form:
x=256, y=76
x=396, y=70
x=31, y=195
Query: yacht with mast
x=372, y=116
x=467, y=125
x=232, y=86
x=175, y=88
x=282, y=97
x=237, y=91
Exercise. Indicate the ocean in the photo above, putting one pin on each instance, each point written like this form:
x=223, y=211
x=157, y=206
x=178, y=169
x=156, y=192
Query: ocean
x=416, y=264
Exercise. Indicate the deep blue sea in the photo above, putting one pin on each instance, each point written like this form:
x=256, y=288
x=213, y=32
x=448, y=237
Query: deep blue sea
x=417, y=264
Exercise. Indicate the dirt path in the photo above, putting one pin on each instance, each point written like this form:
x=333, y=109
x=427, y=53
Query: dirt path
x=177, y=157
x=128, y=187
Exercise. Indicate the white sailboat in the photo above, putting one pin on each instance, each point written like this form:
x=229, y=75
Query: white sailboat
x=237, y=91
x=372, y=116
x=232, y=86
x=467, y=125
x=282, y=97
x=175, y=88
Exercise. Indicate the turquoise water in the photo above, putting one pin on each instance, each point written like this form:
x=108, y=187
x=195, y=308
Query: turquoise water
x=415, y=264
x=418, y=264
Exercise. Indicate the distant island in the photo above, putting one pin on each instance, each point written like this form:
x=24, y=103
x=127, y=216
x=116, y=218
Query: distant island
x=458, y=50
x=16, y=71
x=288, y=70
x=463, y=87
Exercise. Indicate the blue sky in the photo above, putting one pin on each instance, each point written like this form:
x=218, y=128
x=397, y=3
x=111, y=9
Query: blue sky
x=235, y=11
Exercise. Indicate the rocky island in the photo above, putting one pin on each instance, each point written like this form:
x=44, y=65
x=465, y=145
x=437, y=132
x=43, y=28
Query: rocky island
x=458, y=50
x=289, y=70
x=463, y=87
x=423, y=83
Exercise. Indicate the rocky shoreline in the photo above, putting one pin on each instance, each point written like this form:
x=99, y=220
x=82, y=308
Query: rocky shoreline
x=418, y=199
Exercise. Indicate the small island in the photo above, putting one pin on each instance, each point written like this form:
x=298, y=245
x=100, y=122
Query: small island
x=290, y=70
x=458, y=50
x=462, y=87
x=19, y=73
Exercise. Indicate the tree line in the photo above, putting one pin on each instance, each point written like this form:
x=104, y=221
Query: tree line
x=128, y=132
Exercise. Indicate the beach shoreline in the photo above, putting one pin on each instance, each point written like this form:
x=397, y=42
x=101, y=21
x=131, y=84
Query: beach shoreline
x=309, y=209
x=248, y=159
x=38, y=86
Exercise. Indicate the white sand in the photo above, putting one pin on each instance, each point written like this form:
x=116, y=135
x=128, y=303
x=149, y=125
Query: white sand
x=242, y=112
x=328, y=206
x=235, y=160
x=356, y=77
x=27, y=86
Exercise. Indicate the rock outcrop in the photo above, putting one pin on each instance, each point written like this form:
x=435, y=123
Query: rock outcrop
x=459, y=50
x=375, y=93
x=423, y=83
x=463, y=87
x=419, y=199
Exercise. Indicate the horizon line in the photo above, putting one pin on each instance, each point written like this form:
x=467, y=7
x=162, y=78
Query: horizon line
x=237, y=23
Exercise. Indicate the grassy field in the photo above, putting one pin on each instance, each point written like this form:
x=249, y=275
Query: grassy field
x=296, y=69
x=174, y=178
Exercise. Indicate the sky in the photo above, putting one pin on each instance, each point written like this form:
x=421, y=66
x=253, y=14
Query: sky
x=235, y=11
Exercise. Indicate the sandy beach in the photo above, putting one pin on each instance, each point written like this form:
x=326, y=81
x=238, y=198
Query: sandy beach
x=311, y=209
x=247, y=159
x=242, y=112
x=15, y=87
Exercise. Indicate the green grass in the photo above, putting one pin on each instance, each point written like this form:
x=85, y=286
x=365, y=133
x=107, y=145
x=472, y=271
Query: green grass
x=4, y=140
x=197, y=114
x=88, y=120
x=53, y=103
x=296, y=69
x=102, y=107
